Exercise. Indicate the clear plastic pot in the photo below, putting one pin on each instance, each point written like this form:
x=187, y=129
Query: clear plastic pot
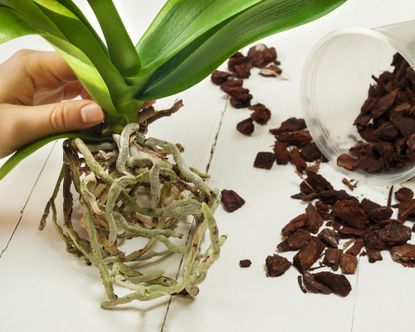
x=335, y=83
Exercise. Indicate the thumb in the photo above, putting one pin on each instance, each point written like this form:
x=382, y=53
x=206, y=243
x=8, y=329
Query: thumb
x=61, y=117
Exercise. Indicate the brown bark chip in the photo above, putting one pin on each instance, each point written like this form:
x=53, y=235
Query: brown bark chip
x=404, y=194
x=404, y=255
x=348, y=263
x=261, y=55
x=374, y=256
x=332, y=258
x=297, y=160
x=348, y=162
x=245, y=263
x=289, y=125
x=240, y=65
x=308, y=255
x=337, y=283
x=281, y=153
x=329, y=237
x=298, y=138
x=220, y=77
x=314, y=220
x=310, y=152
x=231, y=201
x=260, y=114
x=356, y=248
x=406, y=210
x=246, y=127
x=276, y=265
x=264, y=160
x=351, y=213
x=295, y=224
x=295, y=241
x=313, y=286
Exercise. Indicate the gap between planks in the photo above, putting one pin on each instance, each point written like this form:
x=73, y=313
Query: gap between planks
x=212, y=154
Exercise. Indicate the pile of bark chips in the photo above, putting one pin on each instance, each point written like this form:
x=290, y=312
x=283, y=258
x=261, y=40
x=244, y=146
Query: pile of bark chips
x=335, y=228
x=386, y=123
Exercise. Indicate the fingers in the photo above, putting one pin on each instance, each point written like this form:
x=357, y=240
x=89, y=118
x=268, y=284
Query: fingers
x=47, y=67
x=28, y=72
x=24, y=124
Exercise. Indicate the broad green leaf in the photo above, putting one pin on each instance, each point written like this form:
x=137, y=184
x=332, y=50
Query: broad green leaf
x=206, y=53
x=27, y=150
x=75, y=9
x=12, y=26
x=182, y=21
x=32, y=15
x=81, y=37
x=120, y=46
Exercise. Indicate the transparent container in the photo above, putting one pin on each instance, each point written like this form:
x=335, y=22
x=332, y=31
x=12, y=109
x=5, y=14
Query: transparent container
x=335, y=84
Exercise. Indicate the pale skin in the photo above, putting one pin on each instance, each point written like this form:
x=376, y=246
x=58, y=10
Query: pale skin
x=36, y=100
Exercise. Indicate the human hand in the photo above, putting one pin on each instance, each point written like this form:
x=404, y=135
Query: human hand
x=35, y=89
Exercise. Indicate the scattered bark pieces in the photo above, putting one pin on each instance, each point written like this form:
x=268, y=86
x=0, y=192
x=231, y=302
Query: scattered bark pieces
x=231, y=201
x=245, y=263
x=276, y=265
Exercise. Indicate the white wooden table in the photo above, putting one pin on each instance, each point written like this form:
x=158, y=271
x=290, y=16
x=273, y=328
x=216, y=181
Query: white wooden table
x=42, y=288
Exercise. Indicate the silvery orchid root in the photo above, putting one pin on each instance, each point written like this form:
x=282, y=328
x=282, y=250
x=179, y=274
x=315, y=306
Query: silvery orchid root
x=137, y=188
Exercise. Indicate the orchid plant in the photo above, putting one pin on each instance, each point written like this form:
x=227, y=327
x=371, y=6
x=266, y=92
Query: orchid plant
x=130, y=187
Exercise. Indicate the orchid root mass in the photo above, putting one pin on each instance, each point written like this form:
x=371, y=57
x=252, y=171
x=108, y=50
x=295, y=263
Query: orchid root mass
x=137, y=192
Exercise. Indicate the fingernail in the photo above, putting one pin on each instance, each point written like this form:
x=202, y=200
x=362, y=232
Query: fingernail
x=92, y=114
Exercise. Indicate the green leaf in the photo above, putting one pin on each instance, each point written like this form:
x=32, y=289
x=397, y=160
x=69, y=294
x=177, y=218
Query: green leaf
x=27, y=150
x=81, y=37
x=32, y=15
x=12, y=26
x=205, y=54
x=120, y=46
x=180, y=22
x=75, y=9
